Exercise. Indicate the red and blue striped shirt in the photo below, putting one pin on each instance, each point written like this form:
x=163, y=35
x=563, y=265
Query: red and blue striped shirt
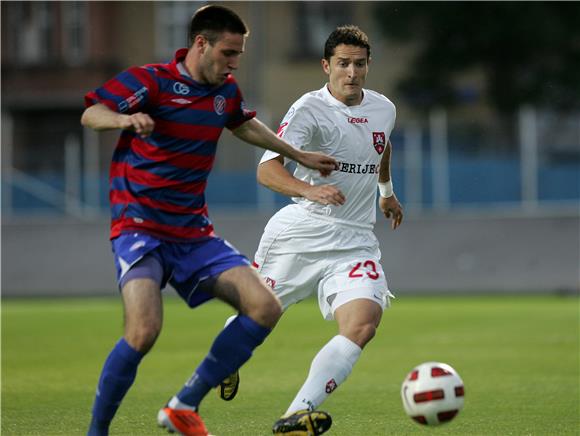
x=157, y=183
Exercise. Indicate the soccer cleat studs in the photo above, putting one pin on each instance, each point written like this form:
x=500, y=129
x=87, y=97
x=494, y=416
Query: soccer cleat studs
x=228, y=389
x=303, y=423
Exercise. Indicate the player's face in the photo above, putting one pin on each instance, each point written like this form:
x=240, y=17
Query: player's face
x=220, y=59
x=347, y=72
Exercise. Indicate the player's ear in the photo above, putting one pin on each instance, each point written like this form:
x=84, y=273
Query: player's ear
x=200, y=42
x=325, y=66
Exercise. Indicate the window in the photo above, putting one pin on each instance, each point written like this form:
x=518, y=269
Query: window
x=74, y=35
x=171, y=25
x=316, y=20
x=31, y=25
x=45, y=32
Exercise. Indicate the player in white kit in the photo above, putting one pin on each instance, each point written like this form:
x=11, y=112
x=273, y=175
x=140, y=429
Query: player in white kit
x=324, y=242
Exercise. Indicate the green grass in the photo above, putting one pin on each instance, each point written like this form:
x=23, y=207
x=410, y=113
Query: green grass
x=518, y=357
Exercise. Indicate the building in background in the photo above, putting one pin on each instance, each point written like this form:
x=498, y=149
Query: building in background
x=54, y=52
x=447, y=161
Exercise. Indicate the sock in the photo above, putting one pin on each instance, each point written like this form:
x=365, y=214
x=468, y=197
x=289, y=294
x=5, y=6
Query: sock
x=329, y=368
x=230, y=350
x=230, y=320
x=117, y=376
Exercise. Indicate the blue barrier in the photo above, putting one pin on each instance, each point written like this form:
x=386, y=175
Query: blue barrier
x=473, y=181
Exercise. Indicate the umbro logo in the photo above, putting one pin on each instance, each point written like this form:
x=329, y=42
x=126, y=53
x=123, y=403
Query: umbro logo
x=181, y=101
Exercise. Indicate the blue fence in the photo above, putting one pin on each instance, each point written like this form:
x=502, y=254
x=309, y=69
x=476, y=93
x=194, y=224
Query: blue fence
x=473, y=181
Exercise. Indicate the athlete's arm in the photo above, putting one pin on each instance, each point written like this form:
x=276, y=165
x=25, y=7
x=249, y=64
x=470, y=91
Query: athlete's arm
x=273, y=175
x=257, y=133
x=100, y=117
x=390, y=206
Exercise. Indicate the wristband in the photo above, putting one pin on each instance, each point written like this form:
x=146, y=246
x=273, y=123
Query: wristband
x=386, y=189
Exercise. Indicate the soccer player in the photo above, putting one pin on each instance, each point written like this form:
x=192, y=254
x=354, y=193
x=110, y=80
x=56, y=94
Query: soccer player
x=171, y=116
x=325, y=241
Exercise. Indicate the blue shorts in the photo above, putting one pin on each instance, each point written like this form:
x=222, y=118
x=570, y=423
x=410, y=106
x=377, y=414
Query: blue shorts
x=185, y=264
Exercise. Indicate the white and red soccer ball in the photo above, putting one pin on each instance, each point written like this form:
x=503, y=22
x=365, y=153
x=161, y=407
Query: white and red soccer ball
x=432, y=393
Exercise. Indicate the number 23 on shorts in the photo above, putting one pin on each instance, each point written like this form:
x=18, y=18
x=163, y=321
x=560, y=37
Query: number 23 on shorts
x=367, y=267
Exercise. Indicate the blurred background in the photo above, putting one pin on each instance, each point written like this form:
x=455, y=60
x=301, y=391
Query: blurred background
x=486, y=147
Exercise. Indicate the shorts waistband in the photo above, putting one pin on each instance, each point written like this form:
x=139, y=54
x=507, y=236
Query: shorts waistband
x=338, y=221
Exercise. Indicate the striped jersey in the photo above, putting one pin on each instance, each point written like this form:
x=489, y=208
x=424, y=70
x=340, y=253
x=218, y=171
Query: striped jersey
x=157, y=184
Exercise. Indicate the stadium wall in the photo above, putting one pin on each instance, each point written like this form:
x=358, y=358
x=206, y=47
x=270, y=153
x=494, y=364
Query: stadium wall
x=460, y=253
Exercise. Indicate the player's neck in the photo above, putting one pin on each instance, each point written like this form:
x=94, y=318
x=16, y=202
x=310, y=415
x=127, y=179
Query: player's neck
x=191, y=65
x=346, y=99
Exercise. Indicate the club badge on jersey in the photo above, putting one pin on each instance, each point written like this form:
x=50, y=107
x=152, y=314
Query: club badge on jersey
x=219, y=104
x=379, y=141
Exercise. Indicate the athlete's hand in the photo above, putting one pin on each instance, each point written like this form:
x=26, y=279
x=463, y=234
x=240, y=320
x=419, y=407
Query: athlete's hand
x=141, y=123
x=392, y=210
x=318, y=161
x=325, y=194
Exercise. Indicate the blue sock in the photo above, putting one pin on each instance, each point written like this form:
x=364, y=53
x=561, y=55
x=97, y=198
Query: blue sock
x=230, y=350
x=117, y=376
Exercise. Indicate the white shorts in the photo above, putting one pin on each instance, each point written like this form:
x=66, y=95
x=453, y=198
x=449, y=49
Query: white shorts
x=300, y=254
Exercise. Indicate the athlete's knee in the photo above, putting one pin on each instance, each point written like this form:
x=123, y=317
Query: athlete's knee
x=142, y=335
x=266, y=310
x=361, y=334
x=273, y=310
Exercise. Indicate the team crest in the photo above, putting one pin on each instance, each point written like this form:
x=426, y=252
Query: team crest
x=219, y=104
x=379, y=141
x=271, y=282
x=330, y=386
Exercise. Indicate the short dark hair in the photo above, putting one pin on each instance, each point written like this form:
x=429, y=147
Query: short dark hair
x=212, y=20
x=348, y=35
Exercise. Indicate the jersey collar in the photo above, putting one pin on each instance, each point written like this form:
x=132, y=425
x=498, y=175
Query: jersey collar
x=334, y=102
x=178, y=58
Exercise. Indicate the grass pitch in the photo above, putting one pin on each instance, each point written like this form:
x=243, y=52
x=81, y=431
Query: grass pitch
x=518, y=357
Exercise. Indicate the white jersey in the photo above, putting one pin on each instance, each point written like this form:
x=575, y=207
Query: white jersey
x=356, y=136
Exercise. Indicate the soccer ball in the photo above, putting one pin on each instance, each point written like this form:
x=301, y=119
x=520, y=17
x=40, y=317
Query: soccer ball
x=432, y=393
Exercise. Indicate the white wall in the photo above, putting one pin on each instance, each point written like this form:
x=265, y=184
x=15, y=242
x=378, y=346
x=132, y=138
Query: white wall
x=445, y=253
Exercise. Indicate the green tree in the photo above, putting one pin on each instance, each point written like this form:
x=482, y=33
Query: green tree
x=529, y=52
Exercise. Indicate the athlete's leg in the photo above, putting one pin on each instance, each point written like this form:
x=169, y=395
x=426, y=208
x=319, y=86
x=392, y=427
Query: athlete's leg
x=143, y=313
x=357, y=322
x=259, y=310
x=228, y=388
x=143, y=319
x=244, y=289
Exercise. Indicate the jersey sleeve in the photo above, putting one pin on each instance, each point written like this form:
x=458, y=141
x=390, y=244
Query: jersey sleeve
x=128, y=92
x=392, y=119
x=239, y=114
x=297, y=128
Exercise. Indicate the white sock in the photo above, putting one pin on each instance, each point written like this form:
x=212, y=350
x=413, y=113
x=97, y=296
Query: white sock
x=174, y=403
x=330, y=367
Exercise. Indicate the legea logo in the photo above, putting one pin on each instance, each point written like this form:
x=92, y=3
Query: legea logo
x=358, y=120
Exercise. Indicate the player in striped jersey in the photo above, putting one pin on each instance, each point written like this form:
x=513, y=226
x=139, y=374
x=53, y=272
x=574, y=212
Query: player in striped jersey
x=171, y=116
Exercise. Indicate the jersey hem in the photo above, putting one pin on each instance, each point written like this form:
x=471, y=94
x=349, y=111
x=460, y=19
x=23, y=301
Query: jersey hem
x=160, y=235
